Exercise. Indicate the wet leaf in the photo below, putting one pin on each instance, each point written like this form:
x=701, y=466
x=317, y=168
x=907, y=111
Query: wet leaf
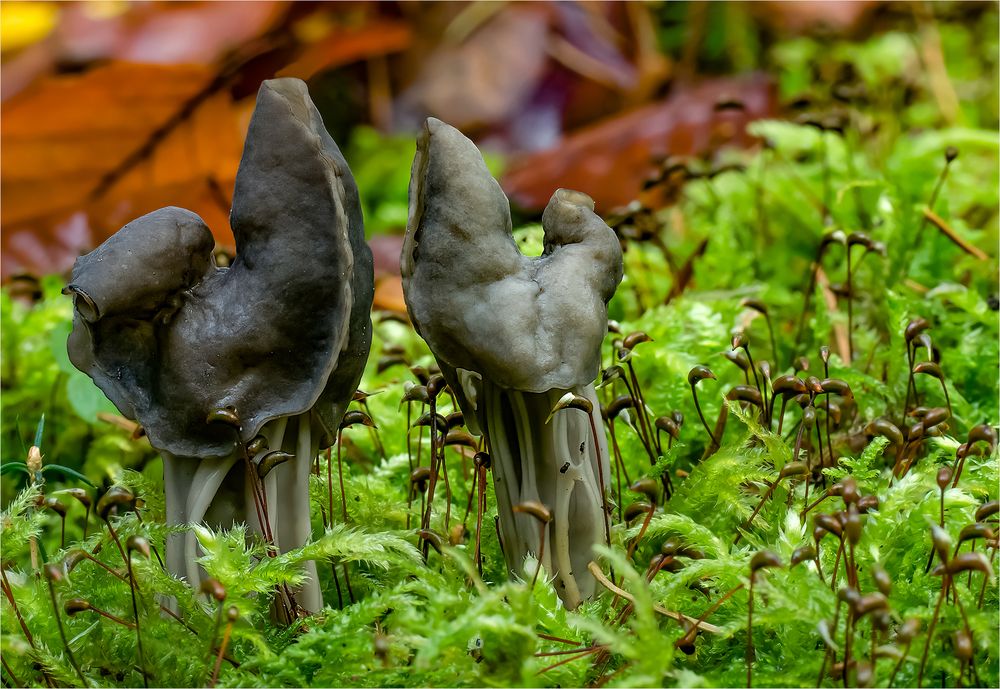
x=611, y=159
x=137, y=137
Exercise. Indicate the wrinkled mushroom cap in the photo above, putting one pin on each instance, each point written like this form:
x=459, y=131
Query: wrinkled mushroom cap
x=169, y=337
x=526, y=323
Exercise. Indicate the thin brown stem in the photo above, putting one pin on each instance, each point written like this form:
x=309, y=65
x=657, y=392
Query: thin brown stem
x=760, y=504
x=113, y=618
x=10, y=673
x=222, y=651
x=578, y=656
x=558, y=639
x=425, y=522
x=642, y=532
x=750, y=649
x=910, y=383
x=135, y=614
x=447, y=491
x=9, y=594
x=569, y=651
x=329, y=479
x=850, y=328
x=848, y=642
x=62, y=635
x=930, y=629
x=689, y=635
x=480, y=510
x=336, y=583
x=340, y=475
x=642, y=428
x=836, y=566
x=899, y=664
x=697, y=406
x=347, y=583
x=215, y=633
x=373, y=430
x=409, y=440
x=781, y=418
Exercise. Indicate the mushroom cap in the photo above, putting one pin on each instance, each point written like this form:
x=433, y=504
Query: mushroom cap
x=525, y=323
x=169, y=337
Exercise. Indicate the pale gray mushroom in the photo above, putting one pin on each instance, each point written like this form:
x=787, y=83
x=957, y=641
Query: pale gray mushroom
x=512, y=336
x=276, y=342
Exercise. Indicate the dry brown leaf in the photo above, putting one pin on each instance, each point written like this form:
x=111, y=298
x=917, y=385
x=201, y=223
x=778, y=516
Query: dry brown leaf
x=389, y=294
x=161, y=33
x=99, y=143
x=611, y=159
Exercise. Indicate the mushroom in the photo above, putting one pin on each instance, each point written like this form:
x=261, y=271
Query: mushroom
x=513, y=335
x=272, y=346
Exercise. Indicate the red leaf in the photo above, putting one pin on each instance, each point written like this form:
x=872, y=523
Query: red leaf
x=611, y=159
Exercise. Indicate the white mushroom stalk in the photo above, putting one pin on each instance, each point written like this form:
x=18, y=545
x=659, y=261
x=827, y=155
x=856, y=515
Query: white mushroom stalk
x=514, y=336
x=557, y=464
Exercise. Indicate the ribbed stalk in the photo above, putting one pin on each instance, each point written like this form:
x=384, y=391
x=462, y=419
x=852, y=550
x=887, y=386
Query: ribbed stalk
x=555, y=463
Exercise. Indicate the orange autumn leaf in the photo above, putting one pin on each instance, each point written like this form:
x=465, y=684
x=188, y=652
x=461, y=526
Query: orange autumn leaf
x=344, y=46
x=115, y=142
x=389, y=294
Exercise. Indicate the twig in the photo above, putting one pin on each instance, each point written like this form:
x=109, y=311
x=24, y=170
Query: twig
x=839, y=330
x=949, y=232
x=610, y=586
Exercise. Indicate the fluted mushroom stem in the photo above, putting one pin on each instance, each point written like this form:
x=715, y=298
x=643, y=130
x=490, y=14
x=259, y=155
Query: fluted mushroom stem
x=292, y=494
x=217, y=492
x=286, y=495
x=190, y=486
x=556, y=464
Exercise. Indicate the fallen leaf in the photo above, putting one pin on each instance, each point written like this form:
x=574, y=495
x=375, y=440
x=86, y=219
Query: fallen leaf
x=800, y=16
x=210, y=29
x=160, y=33
x=611, y=159
x=465, y=82
x=386, y=250
x=114, y=142
x=343, y=46
x=389, y=294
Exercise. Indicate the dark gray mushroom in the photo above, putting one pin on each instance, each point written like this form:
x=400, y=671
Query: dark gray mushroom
x=512, y=336
x=276, y=343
